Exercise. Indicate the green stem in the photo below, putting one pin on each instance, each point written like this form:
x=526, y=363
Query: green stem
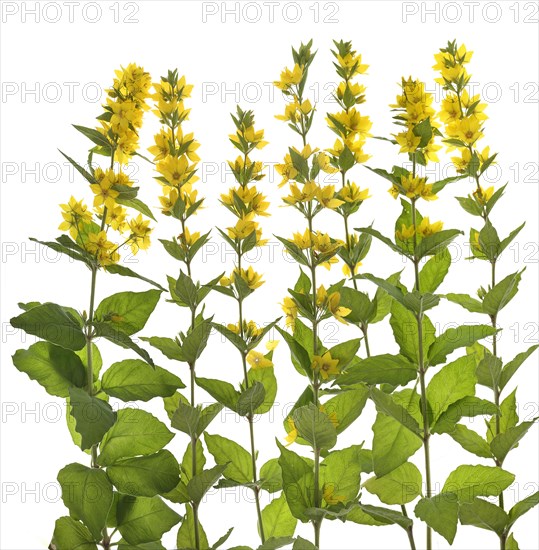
x=410, y=530
x=422, y=373
x=365, y=331
x=89, y=353
x=250, y=421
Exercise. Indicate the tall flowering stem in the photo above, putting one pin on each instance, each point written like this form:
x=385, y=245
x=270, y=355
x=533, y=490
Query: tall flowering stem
x=464, y=118
x=352, y=130
x=311, y=421
x=96, y=236
x=176, y=161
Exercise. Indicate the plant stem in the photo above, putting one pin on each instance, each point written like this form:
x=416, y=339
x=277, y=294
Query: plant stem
x=410, y=530
x=89, y=353
x=365, y=331
x=250, y=419
x=422, y=372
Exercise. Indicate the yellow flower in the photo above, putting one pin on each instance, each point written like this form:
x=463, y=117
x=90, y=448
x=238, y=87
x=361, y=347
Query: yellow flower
x=482, y=196
x=140, y=234
x=251, y=278
x=116, y=218
x=304, y=240
x=168, y=200
x=257, y=360
x=425, y=228
x=104, y=250
x=339, y=312
x=76, y=215
x=469, y=130
x=188, y=239
x=325, y=365
x=408, y=141
x=307, y=193
x=290, y=308
x=353, y=122
x=405, y=232
x=286, y=170
x=325, y=163
x=104, y=194
x=243, y=228
x=292, y=433
x=353, y=194
x=175, y=170
x=327, y=198
x=272, y=344
x=355, y=89
x=348, y=272
x=323, y=245
x=289, y=78
x=352, y=61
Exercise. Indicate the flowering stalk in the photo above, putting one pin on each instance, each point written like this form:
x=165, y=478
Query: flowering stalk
x=352, y=130
x=175, y=160
x=464, y=117
x=311, y=421
x=95, y=238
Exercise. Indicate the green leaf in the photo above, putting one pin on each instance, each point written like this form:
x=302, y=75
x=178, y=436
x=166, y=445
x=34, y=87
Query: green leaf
x=465, y=301
x=195, y=342
x=224, y=392
x=136, y=204
x=92, y=415
x=84, y=173
x=380, y=237
x=511, y=368
x=234, y=457
x=186, y=533
x=300, y=356
x=386, y=516
x=65, y=245
x=53, y=323
x=400, y=486
x=113, y=334
x=340, y=471
x=298, y=482
x=469, y=407
x=501, y=294
x=277, y=519
x=505, y=442
x=117, y=269
x=346, y=406
x=453, y=382
x=128, y=311
x=315, y=427
x=363, y=309
x=266, y=377
x=231, y=336
x=345, y=352
x=87, y=493
x=250, y=399
x=404, y=325
x=167, y=346
x=454, y=338
x=200, y=484
x=271, y=477
x=135, y=380
x=93, y=135
x=511, y=543
x=145, y=476
x=470, y=441
x=136, y=432
x=387, y=405
x=520, y=508
x=468, y=482
x=53, y=367
x=144, y=519
x=508, y=417
x=440, y=513
x=303, y=544
x=436, y=243
x=434, y=271
x=69, y=533
x=484, y=515
x=380, y=369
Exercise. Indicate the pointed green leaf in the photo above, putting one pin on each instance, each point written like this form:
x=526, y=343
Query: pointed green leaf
x=440, y=513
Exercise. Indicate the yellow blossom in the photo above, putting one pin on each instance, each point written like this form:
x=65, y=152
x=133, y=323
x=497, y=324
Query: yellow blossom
x=325, y=365
x=257, y=360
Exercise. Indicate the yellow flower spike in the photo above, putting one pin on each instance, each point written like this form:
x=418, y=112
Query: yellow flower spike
x=257, y=360
x=327, y=198
x=289, y=78
x=353, y=122
x=104, y=250
x=325, y=365
x=328, y=494
x=292, y=433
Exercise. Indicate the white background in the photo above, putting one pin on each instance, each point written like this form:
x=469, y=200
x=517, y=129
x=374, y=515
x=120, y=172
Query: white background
x=61, y=61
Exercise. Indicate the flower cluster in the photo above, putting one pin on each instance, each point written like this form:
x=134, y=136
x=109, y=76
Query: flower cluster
x=417, y=116
x=117, y=137
x=464, y=117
